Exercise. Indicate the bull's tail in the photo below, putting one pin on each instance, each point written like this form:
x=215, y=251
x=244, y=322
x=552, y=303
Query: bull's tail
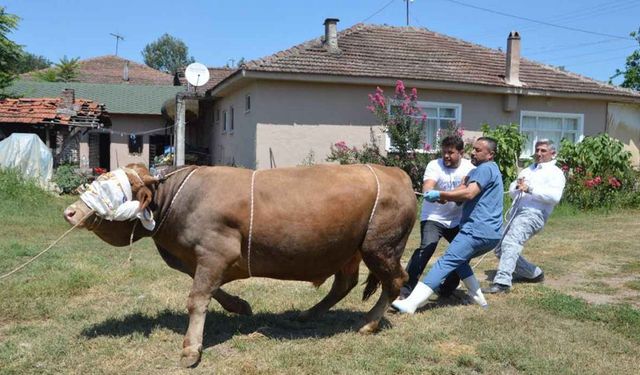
x=372, y=284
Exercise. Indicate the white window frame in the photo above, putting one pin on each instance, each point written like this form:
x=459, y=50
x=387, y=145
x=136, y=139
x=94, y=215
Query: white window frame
x=224, y=121
x=247, y=103
x=232, y=119
x=422, y=105
x=560, y=115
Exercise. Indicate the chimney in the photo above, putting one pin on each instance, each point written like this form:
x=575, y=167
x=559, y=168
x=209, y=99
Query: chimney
x=512, y=73
x=125, y=71
x=331, y=35
x=67, y=105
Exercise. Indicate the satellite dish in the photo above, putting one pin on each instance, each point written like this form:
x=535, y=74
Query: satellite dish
x=196, y=74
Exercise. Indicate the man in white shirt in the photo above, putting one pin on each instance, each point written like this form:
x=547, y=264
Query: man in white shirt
x=537, y=189
x=439, y=220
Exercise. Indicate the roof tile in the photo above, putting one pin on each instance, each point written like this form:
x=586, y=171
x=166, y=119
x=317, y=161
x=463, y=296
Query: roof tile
x=421, y=54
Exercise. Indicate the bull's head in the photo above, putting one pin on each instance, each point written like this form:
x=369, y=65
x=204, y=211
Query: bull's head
x=116, y=233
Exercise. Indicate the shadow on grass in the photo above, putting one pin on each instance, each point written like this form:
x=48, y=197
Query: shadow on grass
x=220, y=327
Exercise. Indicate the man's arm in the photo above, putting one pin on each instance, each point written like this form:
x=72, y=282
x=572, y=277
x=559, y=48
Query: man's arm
x=462, y=193
x=428, y=184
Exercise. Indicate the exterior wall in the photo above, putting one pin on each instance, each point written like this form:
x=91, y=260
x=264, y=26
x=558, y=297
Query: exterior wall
x=119, y=148
x=237, y=147
x=624, y=124
x=293, y=118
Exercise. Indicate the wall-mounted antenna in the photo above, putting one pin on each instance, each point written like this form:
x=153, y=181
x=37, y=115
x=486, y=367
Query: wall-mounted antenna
x=118, y=38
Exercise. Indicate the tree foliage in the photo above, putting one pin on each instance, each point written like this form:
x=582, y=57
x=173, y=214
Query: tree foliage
x=631, y=72
x=167, y=54
x=30, y=62
x=66, y=70
x=10, y=52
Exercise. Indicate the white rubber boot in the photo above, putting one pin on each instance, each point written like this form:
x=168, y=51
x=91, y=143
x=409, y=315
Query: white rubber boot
x=473, y=289
x=416, y=299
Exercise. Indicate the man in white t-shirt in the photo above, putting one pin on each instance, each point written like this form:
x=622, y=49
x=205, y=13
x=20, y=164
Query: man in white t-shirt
x=439, y=220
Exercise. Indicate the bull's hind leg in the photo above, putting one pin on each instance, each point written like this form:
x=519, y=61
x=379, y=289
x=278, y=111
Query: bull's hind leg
x=345, y=279
x=232, y=303
x=384, y=264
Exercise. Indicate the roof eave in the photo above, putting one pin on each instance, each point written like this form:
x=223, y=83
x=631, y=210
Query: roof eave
x=236, y=80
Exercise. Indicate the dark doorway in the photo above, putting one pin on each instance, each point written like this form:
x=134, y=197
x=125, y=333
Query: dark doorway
x=157, y=143
x=100, y=150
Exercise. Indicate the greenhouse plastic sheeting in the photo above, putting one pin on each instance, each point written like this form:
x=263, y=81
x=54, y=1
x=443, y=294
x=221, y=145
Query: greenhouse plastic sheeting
x=28, y=154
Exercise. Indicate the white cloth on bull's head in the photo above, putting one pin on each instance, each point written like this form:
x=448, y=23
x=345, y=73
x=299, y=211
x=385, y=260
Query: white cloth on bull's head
x=110, y=197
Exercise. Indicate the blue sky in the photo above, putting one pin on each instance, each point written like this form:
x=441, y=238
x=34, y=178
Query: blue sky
x=222, y=31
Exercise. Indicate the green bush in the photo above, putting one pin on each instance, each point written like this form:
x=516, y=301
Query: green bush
x=510, y=144
x=14, y=187
x=599, y=173
x=68, y=178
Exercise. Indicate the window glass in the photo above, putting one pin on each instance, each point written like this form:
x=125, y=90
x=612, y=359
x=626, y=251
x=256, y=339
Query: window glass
x=135, y=144
x=552, y=126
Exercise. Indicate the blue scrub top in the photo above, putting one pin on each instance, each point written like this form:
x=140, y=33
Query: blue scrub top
x=482, y=216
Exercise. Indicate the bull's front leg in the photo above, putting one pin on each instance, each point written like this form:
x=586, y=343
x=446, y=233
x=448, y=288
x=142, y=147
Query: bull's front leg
x=206, y=281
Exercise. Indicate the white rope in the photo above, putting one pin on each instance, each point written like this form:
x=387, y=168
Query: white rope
x=375, y=204
x=164, y=217
x=253, y=179
x=131, y=242
x=510, y=214
x=47, y=249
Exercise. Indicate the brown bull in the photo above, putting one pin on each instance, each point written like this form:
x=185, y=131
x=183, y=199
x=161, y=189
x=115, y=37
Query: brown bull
x=308, y=224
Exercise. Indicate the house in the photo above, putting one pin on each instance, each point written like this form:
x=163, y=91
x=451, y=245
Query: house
x=58, y=121
x=134, y=96
x=278, y=109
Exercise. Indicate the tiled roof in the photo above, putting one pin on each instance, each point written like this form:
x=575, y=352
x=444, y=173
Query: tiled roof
x=421, y=54
x=109, y=69
x=51, y=111
x=118, y=98
x=216, y=75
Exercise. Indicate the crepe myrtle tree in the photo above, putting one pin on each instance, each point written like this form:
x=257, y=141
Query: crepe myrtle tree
x=403, y=121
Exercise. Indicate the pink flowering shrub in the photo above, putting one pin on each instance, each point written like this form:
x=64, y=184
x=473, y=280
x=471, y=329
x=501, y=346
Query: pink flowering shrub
x=404, y=122
x=599, y=174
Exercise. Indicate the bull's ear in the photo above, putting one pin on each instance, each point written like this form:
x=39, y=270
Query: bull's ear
x=144, y=195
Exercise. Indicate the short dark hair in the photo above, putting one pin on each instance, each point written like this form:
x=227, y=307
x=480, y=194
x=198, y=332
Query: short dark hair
x=452, y=141
x=491, y=143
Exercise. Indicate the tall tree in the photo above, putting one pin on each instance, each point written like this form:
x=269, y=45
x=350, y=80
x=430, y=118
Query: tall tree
x=167, y=54
x=30, y=62
x=631, y=73
x=10, y=52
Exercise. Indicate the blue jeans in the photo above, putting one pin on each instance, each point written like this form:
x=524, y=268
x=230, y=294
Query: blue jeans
x=456, y=258
x=430, y=234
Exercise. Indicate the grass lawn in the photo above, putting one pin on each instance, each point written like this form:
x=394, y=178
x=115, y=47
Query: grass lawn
x=82, y=309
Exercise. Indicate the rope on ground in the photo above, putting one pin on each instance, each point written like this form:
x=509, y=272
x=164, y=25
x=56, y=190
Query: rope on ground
x=45, y=250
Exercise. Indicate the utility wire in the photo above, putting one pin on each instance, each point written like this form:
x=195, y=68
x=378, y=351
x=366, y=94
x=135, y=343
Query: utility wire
x=590, y=53
x=378, y=11
x=536, y=21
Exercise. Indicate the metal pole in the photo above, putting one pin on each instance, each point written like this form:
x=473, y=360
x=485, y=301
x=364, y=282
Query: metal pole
x=407, y=12
x=178, y=159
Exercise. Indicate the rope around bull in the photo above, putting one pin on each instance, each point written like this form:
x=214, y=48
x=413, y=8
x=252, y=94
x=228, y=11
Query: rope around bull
x=47, y=249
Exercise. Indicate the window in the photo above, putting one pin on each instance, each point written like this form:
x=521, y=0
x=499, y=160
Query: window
x=135, y=144
x=216, y=116
x=232, y=119
x=439, y=116
x=247, y=103
x=550, y=125
x=224, y=121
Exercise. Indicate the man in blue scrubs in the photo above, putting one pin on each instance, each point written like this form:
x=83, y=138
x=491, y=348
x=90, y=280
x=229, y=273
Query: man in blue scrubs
x=480, y=227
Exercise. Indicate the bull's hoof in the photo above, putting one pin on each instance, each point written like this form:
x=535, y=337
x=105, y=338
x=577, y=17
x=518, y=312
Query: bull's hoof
x=307, y=315
x=244, y=308
x=190, y=357
x=369, y=328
